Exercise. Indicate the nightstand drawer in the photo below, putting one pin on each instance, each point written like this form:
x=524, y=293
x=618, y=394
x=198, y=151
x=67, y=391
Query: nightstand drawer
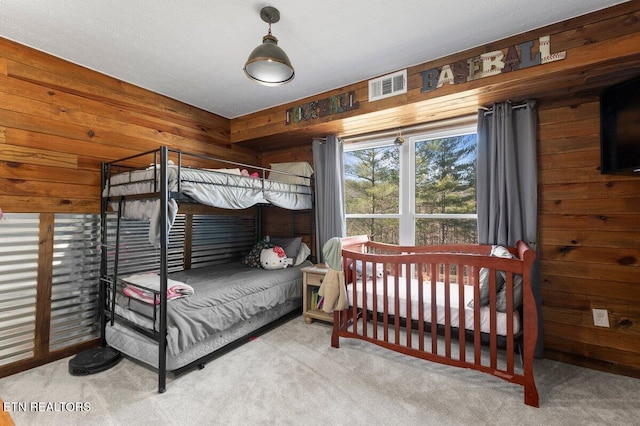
x=314, y=279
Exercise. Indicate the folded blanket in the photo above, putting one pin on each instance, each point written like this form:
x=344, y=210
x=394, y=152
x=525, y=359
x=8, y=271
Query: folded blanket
x=334, y=292
x=332, y=253
x=143, y=286
x=333, y=289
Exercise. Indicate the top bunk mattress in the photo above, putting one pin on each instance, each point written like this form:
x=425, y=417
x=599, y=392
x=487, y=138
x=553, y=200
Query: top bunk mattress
x=210, y=187
x=213, y=188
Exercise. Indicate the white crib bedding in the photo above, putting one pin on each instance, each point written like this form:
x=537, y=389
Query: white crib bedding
x=454, y=309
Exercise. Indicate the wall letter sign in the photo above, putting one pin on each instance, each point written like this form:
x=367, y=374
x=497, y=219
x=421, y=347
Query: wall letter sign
x=524, y=55
x=321, y=108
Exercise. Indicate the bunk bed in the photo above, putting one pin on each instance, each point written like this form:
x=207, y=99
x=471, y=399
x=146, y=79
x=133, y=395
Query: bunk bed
x=458, y=305
x=179, y=320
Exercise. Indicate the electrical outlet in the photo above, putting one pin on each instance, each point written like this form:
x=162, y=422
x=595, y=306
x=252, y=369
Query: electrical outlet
x=600, y=318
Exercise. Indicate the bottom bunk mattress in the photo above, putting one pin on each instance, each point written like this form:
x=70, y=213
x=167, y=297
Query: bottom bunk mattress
x=440, y=306
x=228, y=302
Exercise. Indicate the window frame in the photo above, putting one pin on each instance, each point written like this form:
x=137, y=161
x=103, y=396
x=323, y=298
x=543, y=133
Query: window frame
x=407, y=215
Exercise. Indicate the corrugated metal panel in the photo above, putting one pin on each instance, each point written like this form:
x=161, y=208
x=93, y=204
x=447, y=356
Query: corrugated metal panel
x=137, y=254
x=215, y=239
x=18, y=284
x=76, y=272
x=221, y=239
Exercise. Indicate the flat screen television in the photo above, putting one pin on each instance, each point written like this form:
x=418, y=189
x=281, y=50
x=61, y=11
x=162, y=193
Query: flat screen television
x=620, y=128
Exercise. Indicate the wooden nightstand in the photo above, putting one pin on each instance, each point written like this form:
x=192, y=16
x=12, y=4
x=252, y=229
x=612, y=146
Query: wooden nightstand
x=312, y=277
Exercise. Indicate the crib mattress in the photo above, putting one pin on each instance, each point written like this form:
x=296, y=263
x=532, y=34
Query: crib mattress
x=454, y=308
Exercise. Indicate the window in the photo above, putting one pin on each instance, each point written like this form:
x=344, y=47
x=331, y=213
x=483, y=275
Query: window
x=421, y=192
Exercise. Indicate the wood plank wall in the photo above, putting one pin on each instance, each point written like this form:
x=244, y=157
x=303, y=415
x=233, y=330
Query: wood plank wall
x=58, y=121
x=589, y=243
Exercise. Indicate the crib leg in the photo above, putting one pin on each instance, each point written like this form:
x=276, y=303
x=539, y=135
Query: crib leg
x=335, y=339
x=531, y=395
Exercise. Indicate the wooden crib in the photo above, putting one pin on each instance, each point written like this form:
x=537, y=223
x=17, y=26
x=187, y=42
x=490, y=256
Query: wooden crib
x=455, y=330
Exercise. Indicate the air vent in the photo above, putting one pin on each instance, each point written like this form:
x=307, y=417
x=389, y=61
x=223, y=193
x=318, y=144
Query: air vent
x=388, y=85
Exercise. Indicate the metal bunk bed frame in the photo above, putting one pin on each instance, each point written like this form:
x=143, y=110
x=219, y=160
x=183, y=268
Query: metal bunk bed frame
x=108, y=284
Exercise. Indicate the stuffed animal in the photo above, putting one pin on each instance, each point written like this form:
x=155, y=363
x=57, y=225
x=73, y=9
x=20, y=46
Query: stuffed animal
x=274, y=258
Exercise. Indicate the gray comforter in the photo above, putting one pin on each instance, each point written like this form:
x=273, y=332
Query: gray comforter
x=224, y=295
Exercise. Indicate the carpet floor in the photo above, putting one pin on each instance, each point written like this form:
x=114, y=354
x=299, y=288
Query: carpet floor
x=291, y=376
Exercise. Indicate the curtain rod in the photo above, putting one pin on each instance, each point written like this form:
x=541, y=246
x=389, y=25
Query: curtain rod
x=489, y=111
x=320, y=141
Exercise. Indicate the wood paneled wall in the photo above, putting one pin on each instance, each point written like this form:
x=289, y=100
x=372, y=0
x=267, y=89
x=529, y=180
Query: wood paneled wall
x=58, y=121
x=589, y=243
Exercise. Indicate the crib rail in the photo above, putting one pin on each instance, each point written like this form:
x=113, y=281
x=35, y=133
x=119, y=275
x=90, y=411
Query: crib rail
x=421, y=301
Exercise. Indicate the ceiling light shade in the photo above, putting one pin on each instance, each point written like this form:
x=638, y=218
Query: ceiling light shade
x=268, y=64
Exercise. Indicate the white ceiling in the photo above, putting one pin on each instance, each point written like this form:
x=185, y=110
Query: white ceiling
x=194, y=50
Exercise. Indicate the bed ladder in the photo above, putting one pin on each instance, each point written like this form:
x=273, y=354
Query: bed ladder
x=105, y=280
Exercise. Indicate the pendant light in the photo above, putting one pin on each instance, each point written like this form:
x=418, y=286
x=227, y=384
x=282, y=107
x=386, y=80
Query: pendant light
x=268, y=64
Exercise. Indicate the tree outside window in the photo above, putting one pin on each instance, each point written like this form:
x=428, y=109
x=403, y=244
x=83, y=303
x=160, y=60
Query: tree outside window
x=372, y=183
x=445, y=184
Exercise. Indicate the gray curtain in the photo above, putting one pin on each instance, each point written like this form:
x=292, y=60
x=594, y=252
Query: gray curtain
x=507, y=182
x=329, y=179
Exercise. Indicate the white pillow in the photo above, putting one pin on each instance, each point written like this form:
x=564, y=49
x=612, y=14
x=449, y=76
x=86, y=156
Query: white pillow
x=303, y=253
x=300, y=168
x=229, y=171
x=170, y=163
